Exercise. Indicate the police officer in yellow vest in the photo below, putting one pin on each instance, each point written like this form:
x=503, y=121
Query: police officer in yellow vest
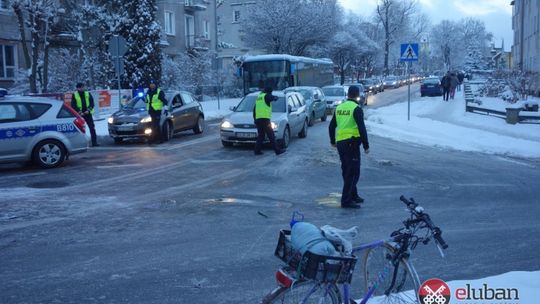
x=262, y=114
x=155, y=104
x=348, y=129
x=83, y=103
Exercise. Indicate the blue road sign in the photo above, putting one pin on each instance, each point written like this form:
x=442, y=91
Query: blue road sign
x=409, y=52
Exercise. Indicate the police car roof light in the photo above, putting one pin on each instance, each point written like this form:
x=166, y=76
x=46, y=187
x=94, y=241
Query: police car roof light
x=140, y=94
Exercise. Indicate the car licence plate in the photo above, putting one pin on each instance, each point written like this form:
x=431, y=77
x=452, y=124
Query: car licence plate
x=126, y=127
x=246, y=135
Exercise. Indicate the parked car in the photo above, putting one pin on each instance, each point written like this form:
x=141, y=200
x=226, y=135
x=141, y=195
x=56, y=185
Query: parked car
x=289, y=117
x=431, y=87
x=391, y=82
x=133, y=120
x=315, y=101
x=41, y=130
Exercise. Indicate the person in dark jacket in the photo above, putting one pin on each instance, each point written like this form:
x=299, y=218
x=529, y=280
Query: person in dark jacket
x=347, y=128
x=262, y=114
x=155, y=104
x=460, y=77
x=446, y=83
x=83, y=102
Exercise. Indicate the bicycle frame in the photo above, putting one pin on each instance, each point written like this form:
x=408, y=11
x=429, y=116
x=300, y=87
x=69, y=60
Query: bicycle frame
x=382, y=275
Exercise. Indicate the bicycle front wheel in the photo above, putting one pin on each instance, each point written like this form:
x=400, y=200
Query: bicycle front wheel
x=379, y=270
x=308, y=292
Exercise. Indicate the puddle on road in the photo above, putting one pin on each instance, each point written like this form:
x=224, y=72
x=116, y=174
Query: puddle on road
x=48, y=185
x=231, y=201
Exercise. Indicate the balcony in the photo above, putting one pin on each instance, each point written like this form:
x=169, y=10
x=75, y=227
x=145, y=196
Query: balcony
x=195, y=5
x=198, y=43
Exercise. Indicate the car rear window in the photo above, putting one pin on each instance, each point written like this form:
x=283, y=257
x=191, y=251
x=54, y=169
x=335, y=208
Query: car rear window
x=64, y=113
x=38, y=109
x=431, y=81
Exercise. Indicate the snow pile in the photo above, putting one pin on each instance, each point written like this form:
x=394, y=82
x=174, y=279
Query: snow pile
x=447, y=125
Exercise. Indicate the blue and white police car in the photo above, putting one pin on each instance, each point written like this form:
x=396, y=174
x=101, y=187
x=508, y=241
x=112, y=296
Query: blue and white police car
x=41, y=130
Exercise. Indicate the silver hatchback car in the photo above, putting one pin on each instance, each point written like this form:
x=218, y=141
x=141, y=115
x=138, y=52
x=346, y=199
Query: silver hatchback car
x=41, y=130
x=289, y=117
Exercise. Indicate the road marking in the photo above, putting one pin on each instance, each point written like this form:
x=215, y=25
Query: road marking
x=118, y=166
x=25, y=175
x=189, y=143
x=212, y=161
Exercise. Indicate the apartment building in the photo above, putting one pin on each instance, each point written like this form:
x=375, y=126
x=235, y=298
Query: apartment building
x=187, y=25
x=526, y=26
x=231, y=43
x=10, y=53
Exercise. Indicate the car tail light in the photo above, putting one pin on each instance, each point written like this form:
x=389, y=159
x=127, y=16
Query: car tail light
x=284, y=279
x=79, y=121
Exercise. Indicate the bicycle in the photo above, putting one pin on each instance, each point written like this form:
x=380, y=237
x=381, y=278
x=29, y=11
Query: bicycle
x=386, y=268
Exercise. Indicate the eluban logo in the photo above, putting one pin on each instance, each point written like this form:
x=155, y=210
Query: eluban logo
x=434, y=291
x=486, y=293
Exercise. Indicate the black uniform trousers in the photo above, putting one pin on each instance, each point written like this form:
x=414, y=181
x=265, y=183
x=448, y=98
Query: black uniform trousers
x=264, y=128
x=446, y=93
x=90, y=122
x=156, y=126
x=349, y=154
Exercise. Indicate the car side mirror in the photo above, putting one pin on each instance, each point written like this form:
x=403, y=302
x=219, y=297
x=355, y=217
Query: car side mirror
x=317, y=97
x=290, y=108
x=232, y=108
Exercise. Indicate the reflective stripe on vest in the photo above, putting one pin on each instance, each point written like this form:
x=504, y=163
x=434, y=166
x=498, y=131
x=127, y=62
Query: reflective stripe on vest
x=157, y=104
x=262, y=110
x=346, y=125
x=78, y=101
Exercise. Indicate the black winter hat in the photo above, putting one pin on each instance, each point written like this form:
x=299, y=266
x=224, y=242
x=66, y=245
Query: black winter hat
x=353, y=92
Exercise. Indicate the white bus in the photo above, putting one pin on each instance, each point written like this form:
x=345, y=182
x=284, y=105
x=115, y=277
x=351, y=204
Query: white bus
x=280, y=71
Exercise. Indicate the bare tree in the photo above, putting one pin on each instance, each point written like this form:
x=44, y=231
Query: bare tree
x=393, y=15
x=35, y=17
x=284, y=26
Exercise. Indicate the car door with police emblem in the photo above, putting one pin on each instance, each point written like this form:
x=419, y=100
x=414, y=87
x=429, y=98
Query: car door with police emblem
x=18, y=126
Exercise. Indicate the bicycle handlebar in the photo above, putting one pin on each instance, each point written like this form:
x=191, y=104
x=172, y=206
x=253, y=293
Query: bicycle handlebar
x=424, y=217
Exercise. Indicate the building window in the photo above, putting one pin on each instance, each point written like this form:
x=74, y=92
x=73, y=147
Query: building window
x=190, y=31
x=169, y=23
x=236, y=16
x=4, y=4
x=7, y=61
x=206, y=27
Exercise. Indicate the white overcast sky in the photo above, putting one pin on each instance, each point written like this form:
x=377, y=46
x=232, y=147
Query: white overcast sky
x=496, y=14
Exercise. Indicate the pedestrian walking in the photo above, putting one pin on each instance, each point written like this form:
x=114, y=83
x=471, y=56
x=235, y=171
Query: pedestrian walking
x=262, y=115
x=453, y=85
x=155, y=104
x=348, y=132
x=460, y=77
x=83, y=102
x=445, y=83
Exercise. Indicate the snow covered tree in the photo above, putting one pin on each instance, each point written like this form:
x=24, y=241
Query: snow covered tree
x=35, y=17
x=142, y=32
x=290, y=27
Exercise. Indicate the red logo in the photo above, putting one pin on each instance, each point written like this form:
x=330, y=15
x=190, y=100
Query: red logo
x=434, y=291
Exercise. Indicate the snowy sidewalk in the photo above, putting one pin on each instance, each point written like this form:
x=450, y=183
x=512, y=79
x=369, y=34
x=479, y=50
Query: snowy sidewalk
x=437, y=123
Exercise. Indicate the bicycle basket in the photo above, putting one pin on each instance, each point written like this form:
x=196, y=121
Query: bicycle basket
x=311, y=266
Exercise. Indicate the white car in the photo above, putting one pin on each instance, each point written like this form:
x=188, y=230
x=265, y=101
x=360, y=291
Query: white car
x=41, y=130
x=289, y=117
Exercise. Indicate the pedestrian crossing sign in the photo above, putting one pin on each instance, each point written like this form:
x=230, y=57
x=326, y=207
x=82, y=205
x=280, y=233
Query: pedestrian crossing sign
x=409, y=52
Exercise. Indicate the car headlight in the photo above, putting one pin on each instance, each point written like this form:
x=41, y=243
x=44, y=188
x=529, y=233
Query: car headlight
x=274, y=125
x=110, y=120
x=227, y=125
x=146, y=119
x=338, y=102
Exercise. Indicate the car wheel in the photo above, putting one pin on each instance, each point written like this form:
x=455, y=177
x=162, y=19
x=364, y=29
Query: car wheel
x=167, y=131
x=323, y=118
x=199, y=128
x=284, y=141
x=118, y=140
x=303, y=132
x=311, y=119
x=49, y=153
x=226, y=143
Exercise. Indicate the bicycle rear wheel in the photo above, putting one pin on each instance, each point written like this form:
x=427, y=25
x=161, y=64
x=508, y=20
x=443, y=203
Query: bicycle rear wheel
x=377, y=261
x=321, y=294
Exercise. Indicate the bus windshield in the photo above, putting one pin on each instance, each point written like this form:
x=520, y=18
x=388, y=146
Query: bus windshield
x=261, y=74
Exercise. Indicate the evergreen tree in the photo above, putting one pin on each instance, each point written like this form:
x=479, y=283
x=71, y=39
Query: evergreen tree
x=142, y=32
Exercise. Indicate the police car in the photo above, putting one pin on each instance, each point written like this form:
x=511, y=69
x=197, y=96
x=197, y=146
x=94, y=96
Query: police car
x=41, y=130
